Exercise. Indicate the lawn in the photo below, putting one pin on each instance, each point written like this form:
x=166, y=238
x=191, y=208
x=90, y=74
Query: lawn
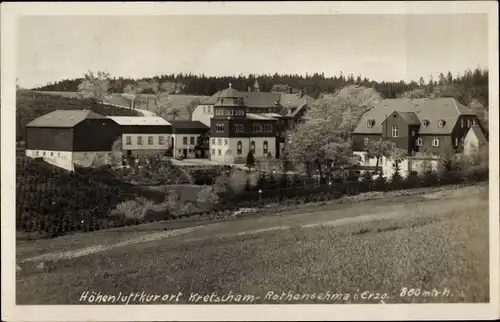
x=435, y=244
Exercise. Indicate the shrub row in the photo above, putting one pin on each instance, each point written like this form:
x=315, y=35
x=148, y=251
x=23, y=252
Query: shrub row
x=263, y=194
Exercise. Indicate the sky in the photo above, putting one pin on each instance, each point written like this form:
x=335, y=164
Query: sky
x=379, y=47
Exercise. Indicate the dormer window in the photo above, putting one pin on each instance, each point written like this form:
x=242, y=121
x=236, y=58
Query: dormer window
x=441, y=123
x=371, y=123
x=425, y=123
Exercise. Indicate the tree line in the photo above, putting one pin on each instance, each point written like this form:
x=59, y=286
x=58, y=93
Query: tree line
x=472, y=83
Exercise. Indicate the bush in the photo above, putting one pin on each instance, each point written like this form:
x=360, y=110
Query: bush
x=430, y=179
x=380, y=183
x=412, y=180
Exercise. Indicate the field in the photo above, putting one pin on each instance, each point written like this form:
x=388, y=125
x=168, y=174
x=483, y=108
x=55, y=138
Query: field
x=53, y=201
x=143, y=102
x=433, y=242
x=30, y=105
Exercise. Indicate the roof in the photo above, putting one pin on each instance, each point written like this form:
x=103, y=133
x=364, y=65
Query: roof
x=262, y=116
x=139, y=120
x=64, y=118
x=212, y=99
x=229, y=92
x=432, y=110
x=188, y=125
x=260, y=99
x=478, y=133
x=250, y=99
x=409, y=117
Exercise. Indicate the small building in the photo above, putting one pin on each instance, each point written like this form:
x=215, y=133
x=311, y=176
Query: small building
x=186, y=136
x=202, y=149
x=67, y=137
x=143, y=135
x=475, y=141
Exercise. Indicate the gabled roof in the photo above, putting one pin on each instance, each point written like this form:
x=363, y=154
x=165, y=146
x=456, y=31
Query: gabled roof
x=409, y=117
x=432, y=110
x=188, y=125
x=139, y=120
x=64, y=118
x=476, y=130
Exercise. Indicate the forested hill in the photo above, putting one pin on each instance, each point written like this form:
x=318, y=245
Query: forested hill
x=471, y=83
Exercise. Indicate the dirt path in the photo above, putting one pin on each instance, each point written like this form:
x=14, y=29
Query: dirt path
x=342, y=215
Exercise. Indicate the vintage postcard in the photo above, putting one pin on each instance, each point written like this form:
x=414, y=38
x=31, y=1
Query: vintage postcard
x=248, y=161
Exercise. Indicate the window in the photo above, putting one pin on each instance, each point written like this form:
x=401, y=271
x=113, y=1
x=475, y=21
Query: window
x=150, y=140
x=462, y=123
x=213, y=141
x=265, y=146
x=395, y=131
x=213, y=151
x=468, y=123
x=420, y=141
x=239, y=148
x=252, y=147
x=128, y=140
x=226, y=142
x=435, y=141
x=219, y=127
x=139, y=140
x=161, y=140
x=219, y=141
x=209, y=109
x=185, y=140
x=219, y=152
x=44, y=153
x=441, y=123
x=456, y=141
x=425, y=123
x=51, y=154
x=257, y=127
x=204, y=109
x=268, y=127
x=367, y=140
x=239, y=128
x=191, y=140
x=371, y=123
x=36, y=153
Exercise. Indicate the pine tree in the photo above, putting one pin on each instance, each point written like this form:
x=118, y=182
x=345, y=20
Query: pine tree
x=250, y=161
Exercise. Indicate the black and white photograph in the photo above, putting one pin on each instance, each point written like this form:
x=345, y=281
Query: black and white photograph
x=236, y=161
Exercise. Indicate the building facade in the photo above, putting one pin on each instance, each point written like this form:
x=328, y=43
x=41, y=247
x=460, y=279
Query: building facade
x=427, y=127
x=143, y=135
x=234, y=131
x=243, y=121
x=188, y=138
x=67, y=137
